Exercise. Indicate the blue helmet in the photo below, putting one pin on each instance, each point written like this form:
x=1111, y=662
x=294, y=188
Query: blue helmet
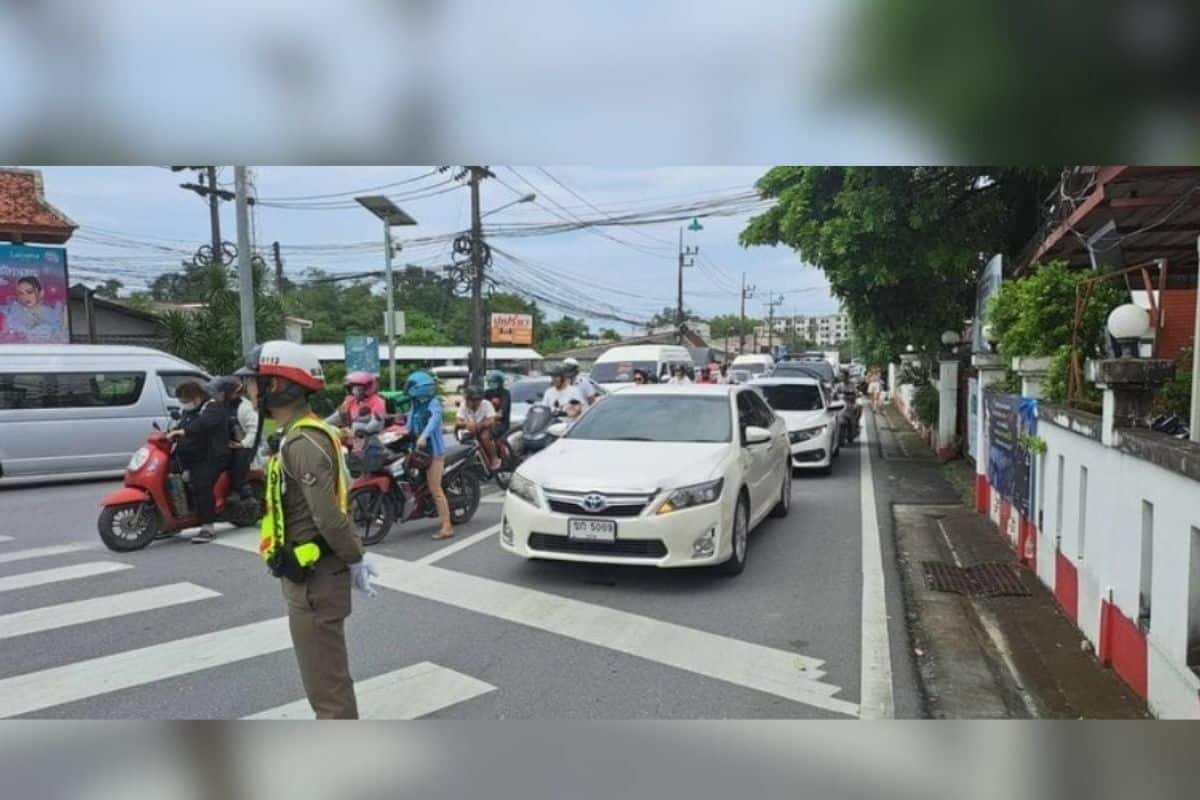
x=420, y=386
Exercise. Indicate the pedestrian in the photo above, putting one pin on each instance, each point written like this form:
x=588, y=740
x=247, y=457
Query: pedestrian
x=202, y=449
x=307, y=538
x=875, y=389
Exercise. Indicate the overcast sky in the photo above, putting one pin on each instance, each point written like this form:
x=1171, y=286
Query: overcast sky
x=146, y=204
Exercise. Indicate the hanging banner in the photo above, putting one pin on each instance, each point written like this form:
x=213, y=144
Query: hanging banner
x=1003, y=427
x=512, y=329
x=33, y=295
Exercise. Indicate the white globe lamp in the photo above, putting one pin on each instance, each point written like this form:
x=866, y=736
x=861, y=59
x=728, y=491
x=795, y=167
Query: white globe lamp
x=1129, y=324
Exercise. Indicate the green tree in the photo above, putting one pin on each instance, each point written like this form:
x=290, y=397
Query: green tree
x=111, y=289
x=609, y=335
x=731, y=325
x=899, y=245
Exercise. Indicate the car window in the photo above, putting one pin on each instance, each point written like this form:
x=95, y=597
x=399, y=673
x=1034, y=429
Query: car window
x=745, y=409
x=171, y=380
x=70, y=389
x=761, y=413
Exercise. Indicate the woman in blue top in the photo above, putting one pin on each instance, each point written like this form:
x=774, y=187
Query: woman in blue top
x=425, y=420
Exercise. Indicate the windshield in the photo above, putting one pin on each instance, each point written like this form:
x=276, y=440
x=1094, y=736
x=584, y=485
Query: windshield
x=622, y=371
x=529, y=391
x=812, y=369
x=640, y=417
x=793, y=398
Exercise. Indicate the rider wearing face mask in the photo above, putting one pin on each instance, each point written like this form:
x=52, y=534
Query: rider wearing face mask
x=202, y=449
x=362, y=393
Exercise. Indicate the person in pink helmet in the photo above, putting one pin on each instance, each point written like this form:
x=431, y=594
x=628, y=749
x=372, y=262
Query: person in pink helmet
x=362, y=392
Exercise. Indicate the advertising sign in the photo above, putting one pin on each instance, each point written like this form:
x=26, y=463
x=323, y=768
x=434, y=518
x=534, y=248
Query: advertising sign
x=33, y=295
x=512, y=329
x=362, y=354
x=973, y=418
x=1003, y=427
x=989, y=284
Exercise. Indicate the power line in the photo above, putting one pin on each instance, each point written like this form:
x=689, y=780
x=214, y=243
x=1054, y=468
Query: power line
x=351, y=192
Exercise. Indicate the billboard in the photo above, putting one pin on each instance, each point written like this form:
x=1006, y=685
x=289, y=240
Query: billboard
x=512, y=329
x=33, y=295
x=362, y=354
x=989, y=284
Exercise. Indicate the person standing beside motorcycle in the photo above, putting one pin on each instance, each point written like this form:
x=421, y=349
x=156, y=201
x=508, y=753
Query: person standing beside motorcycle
x=307, y=539
x=425, y=420
x=202, y=448
x=477, y=416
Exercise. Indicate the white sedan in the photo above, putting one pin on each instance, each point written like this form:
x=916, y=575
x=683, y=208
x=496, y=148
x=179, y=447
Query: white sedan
x=813, y=419
x=667, y=476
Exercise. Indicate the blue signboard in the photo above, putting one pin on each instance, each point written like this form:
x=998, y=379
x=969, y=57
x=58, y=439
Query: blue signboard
x=362, y=354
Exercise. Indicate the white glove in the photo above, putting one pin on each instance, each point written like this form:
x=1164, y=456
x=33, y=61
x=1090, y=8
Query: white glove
x=362, y=573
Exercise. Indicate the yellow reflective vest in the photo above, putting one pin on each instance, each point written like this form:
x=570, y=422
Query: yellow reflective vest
x=272, y=529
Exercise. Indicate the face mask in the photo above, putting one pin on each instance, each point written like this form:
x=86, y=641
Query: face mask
x=358, y=392
x=188, y=406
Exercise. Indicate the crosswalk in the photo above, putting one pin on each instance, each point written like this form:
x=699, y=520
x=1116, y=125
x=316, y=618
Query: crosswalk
x=404, y=691
x=408, y=693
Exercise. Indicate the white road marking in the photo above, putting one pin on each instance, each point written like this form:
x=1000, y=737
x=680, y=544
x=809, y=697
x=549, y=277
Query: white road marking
x=42, y=552
x=765, y=669
x=24, y=694
x=6, y=538
x=877, y=700
x=408, y=693
x=98, y=608
x=461, y=544
x=40, y=578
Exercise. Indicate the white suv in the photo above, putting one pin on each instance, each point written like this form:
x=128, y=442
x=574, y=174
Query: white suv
x=661, y=475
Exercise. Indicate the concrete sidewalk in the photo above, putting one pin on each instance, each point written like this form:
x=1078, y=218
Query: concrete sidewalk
x=982, y=657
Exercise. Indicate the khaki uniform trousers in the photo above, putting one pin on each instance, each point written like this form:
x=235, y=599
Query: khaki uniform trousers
x=317, y=611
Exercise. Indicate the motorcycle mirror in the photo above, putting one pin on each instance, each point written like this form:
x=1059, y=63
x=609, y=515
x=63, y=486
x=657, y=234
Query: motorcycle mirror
x=174, y=414
x=155, y=425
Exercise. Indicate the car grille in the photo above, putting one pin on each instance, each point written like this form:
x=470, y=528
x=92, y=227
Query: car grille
x=561, y=507
x=618, y=505
x=811, y=455
x=630, y=548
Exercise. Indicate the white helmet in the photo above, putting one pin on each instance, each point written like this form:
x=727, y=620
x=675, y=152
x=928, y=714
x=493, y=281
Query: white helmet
x=287, y=360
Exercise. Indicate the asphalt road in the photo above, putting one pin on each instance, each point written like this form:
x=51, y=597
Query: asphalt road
x=460, y=630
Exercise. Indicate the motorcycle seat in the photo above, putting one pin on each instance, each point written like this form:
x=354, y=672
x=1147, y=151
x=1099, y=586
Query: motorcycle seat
x=456, y=453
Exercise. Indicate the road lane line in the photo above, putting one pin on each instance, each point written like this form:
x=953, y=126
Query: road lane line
x=408, y=693
x=34, y=691
x=27, y=580
x=462, y=544
x=42, y=552
x=97, y=608
x=877, y=700
x=779, y=672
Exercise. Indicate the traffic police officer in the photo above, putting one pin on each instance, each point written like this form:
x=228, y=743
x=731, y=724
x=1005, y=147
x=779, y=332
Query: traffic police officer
x=307, y=538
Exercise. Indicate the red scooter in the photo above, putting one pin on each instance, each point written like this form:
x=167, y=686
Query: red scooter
x=153, y=503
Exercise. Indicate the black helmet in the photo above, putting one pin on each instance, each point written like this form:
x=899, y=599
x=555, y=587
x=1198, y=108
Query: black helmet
x=223, y=386
x=190, y=386
x=473, y=393
x=557, y=372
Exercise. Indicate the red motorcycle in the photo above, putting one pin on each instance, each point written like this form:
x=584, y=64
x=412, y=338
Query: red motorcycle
x=396, y=490
x=153, y=503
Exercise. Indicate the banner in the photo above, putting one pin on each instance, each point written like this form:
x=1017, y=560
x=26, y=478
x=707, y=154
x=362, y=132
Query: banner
x=33, y=295
x=1003, y=432
x=512, y=329
x=362, y=354
x=973, y=418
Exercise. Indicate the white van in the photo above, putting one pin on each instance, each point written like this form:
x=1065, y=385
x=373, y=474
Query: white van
x=614, y=368
x=757, y=364
x=73, y=410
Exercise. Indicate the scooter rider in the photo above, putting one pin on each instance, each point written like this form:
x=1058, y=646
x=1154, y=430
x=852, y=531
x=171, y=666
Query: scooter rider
x=307, y=538
x=501, y=400
x=425, y=421
x=202, y=449
x=477, y=416
x=585, y=386
x=561, y=392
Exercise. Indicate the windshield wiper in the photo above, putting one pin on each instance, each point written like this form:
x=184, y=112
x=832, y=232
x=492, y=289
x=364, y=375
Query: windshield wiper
x=632, y=439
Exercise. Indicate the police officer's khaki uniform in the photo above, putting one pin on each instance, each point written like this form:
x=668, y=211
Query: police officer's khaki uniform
x=317, y=608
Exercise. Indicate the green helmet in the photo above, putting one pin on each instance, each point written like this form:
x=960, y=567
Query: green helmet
x=495, y=379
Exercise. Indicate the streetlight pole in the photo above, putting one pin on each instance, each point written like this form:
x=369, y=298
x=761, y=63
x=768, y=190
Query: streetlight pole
x=747, y=292
x=245, y=271
x=685, y=260
x=391, y=215
x=476, y=175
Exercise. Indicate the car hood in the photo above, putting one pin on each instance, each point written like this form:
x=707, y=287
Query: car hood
x=589, y=465
x=799, y=420
x=613, y=388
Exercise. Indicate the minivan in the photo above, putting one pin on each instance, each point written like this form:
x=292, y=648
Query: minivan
x=78, y=409
x=614, y=368
x=757, y=364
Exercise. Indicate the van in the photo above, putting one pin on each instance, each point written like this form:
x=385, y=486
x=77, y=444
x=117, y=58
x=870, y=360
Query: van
x=757, y=364
x=614, y=368
x=75, y=410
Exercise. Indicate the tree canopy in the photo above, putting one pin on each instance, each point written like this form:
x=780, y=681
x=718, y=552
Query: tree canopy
x=901, y=246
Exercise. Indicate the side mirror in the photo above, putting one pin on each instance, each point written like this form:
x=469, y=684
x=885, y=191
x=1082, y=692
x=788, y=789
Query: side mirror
x=174, y=414
x=837, y=405
x=757, y=435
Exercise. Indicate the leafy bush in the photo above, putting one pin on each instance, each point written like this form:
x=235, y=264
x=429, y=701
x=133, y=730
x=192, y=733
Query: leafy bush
x=925, y=404
x=1176, y=397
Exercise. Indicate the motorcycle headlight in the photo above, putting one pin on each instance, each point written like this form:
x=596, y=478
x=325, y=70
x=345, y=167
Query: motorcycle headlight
x=139, y=459
x=527, y=490
x=806, y=434
x=691, y=496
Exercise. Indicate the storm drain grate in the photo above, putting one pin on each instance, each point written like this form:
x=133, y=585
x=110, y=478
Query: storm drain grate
x=985, y=580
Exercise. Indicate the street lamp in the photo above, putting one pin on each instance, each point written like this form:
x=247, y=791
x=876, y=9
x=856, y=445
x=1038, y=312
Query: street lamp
x=391, y=215
x=528, y=198
x=1128, y=324
x=951, y=339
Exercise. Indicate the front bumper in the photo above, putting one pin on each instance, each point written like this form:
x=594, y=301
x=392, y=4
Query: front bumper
x=816, y=453
x=661, y=541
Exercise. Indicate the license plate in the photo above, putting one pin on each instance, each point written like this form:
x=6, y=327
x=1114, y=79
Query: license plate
x=592, y=530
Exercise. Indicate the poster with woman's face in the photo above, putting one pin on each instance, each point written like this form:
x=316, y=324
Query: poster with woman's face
x=33, y=295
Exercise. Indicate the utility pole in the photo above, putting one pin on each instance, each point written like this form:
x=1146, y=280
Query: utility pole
x=747, y=293
x=207, y=187
x=771, y=304
x=476, y=174
x=245, y=272
x=685, y=260
x=278, y=268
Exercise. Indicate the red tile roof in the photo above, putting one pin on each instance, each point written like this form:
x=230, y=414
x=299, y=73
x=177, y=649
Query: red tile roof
x=25, y=216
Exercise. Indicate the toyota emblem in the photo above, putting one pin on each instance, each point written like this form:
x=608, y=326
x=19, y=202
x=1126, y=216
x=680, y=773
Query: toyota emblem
x=594, y=503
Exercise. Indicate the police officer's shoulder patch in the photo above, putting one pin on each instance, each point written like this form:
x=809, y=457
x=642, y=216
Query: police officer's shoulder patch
x=308, y=479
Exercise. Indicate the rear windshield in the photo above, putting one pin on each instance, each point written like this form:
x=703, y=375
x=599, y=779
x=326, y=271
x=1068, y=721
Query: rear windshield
x=622, y=371
x=529, y=391
x=792, y=398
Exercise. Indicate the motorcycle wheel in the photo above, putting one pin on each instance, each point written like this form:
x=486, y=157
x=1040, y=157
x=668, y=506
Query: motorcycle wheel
x=463, y=493
x=128, y=527
x=249, y=510
x=372, y=513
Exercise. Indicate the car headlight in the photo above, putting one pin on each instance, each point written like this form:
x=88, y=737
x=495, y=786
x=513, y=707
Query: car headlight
x=527, y=490
x=139, y=459
x=690, y=496
x=806, y=434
